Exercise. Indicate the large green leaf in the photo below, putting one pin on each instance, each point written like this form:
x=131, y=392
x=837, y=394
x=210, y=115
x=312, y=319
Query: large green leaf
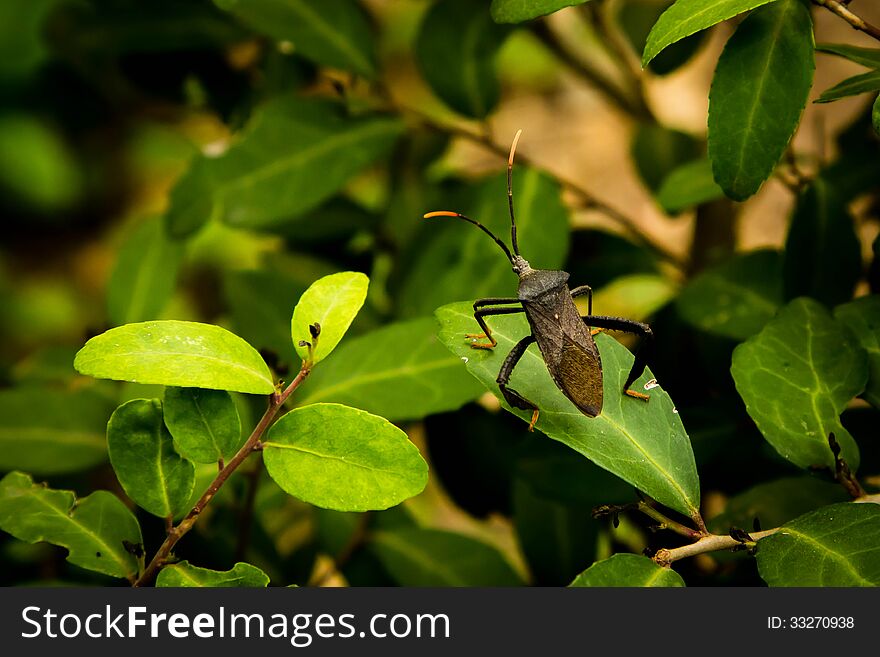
x=331, y=32
x=47, y=432
x=688, y=17
x=836, y=545
x=643, y=443
x=332, y=302
x=869, y=57
x=458, y=261
x=184, y=574
x=455, y=49
x=689, y=185
x=627, y=570
x=429, y=557
x=342, y=458
x=796, y=376
x=174, y=353
x=204, y=423
x=862, y=316
x=143, y=279
x=857, y=84
x=823, y=256
x=519, y=11
x=758, y=93
x=295, y=154
x=400, y=371
x=143, y=457
x=99, y=532
x=735, y=299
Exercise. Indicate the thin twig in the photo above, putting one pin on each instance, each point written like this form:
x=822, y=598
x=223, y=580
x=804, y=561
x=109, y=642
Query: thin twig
x=645, y=508
x=709, y=543
x=276, y=401
x=846, y=14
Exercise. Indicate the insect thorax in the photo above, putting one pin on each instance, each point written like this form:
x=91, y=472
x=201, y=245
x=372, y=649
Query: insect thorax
x=538, y=282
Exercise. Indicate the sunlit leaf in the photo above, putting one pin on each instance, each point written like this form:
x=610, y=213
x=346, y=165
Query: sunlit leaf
x=184, y=574
x=99, y=532
x=342, y=458
x=204, y=423
x=627, y=570
x=689, y=185
x=174, y=353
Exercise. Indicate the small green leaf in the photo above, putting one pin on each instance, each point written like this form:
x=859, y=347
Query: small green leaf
x=294, y=154
x=331, y=32
x=758, y=94
x=183, y=574
x=49, y=432
x=862, y=316
x=519, y=11
x=823, y=256
x=98, y=530
x=857, y=84
x=836, y=545
x=143, y=457
x=143, y=279
x=342, y=458
x=204, y=423
x=869, y=57
x=400, y=371
x=643, y=443
x=636, y=296
x=688, y=17
x=174, y=353
x=628, y=570
x=689, y=185
x=455, y=51
x=656, y=150
x=637, y=17
x=796, y=376
x=429, y=557
x=332, y=302
x=737, y=298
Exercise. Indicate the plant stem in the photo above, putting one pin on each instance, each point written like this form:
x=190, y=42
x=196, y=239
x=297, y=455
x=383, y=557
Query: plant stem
x=276, y=401
x=654, y=514
x=707, y=543
x=844, y=12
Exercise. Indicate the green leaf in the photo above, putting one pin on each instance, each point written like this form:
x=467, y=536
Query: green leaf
x=143, y=279
x=737, y=298
x=204, y=423
x=836, y=545
x=142, y=452
x=688, y=17
x=862, y=316
x=22, y=46
x=429, y=557
x=183, y=574
x=295, y=154
x=823, y=256
x=95, y=529
x=519, y=11
x=656, y=150
x=627, y=570
x=637, y=17
x=875, y=115
x=636, y=296
x=689, y=185
x=49, y=432
x=644, y=444
x=759, y=91
x=796, y=377
x=459, y=261
x=174, y=353
x=333, y=302
x=857, y=84
x=776, y=502
x=342, y=458
x=334, y=33
x=869, y=57
x=455, y=51
x=400, y=371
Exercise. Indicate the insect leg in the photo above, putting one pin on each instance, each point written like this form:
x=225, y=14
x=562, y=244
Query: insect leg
x=641, y=352
x=512, y=396
x=479, y=313
x=580, y=291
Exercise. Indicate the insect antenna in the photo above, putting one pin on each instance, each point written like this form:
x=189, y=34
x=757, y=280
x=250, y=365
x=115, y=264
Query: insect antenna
x=444, y=213
x=510, y=192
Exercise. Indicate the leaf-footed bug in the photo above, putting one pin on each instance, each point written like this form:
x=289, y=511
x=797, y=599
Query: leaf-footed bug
x=564, y=337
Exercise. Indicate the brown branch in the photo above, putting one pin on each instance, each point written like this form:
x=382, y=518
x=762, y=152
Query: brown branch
x=709, y=543
x=846, y=14
x=276, y=401
x=643, y=507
